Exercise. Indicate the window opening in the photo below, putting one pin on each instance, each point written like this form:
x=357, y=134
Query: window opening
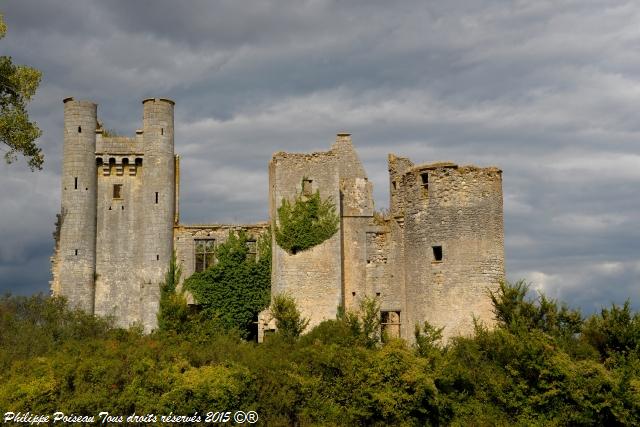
x=161, y=131
x=425, y=180
x=252, y=250
x=117, y=191
x=157, y=257
x=390, y=324
x=205, y=254
x=76, y=252
x=437, y=253
x=156, y=197
x=79, y=129
x=307, y=187
x=75, y=182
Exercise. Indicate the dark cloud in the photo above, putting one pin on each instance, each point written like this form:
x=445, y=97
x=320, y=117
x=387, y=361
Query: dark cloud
x=546, y=90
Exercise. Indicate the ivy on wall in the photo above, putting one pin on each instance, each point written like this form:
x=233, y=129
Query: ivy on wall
x=305, y=223
x=238, y=286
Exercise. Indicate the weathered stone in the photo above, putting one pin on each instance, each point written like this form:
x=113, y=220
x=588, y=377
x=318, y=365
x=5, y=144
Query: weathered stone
x=433, y=257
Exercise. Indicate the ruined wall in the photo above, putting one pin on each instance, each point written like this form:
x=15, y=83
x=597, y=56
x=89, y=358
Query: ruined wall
x=314, y=276
x=459, y=210
x=187, y=235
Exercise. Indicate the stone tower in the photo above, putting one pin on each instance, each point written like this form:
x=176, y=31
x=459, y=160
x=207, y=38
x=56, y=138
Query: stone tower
x=77, y=222
x=115, y=236
x=447, y=221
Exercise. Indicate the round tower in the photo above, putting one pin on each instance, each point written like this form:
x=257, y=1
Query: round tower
x=158, y=201
x=77, y=247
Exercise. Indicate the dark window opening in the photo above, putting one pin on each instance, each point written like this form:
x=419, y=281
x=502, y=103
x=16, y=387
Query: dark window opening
x=156, y=197
x=76, y=252
x=75, y=183
x=425, y=180
x=79, y=129
x=307, y=187
x=122, y=207
x=117, y=191
x=437, y=253
x=353, y=294
x=205, y=254
x=390, y=324
x=395, y=185
x=157, y=257
x=377, y=294
x=161, y=131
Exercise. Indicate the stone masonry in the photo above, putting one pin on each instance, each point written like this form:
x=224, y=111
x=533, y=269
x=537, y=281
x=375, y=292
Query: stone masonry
x=434, y=256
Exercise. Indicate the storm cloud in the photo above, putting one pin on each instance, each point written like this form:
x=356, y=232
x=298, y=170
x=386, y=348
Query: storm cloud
x=546, y=90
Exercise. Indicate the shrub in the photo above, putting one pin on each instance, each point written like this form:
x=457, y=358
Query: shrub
x=306, y=223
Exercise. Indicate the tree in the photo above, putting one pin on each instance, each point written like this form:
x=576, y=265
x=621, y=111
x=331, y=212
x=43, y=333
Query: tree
x=289, y=320
x=18, y=84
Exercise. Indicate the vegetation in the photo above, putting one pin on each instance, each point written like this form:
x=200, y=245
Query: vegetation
x=18, y=84
x=289, y=320
x=529, y=370
x=306, y=223
x=236, y=288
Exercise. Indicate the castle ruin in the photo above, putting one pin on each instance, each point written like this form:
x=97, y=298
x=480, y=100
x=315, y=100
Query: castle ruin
x=433, y=257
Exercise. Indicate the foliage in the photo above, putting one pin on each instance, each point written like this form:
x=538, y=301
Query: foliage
x=428, y=340
x=306, y=223
x=359, y=327
x=54, y=358
x=18, y=84
x=289, y=320
x=237, y=287
x=615, y=333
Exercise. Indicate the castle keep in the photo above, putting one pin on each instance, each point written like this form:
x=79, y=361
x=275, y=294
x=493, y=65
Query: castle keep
x=432, y=257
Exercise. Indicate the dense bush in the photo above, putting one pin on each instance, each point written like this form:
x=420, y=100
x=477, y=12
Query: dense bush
x=529, y=370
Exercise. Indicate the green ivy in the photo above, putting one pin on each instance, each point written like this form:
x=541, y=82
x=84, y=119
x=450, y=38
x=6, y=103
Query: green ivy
x=305, y=223
x=237, y=287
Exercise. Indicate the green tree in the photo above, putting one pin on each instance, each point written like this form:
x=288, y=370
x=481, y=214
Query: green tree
x=305, y=223
x=18, y=84
x=289, y=320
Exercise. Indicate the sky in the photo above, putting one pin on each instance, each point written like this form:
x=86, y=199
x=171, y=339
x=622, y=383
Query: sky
x=546, y=90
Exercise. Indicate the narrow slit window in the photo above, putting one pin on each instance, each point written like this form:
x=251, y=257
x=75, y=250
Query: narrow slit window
x=79, y=129
x=157, y=257
x=117, y=191
x=437, y=253
x=156, y=197
x=425, y=180
x=76, y=251
x=75, y=182
x=161, y=131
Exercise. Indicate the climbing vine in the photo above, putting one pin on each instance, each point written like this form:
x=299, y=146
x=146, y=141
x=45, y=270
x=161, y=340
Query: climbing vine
x=238, y=286
x=305, y=223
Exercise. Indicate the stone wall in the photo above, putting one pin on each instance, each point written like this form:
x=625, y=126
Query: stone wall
x=313, y=277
